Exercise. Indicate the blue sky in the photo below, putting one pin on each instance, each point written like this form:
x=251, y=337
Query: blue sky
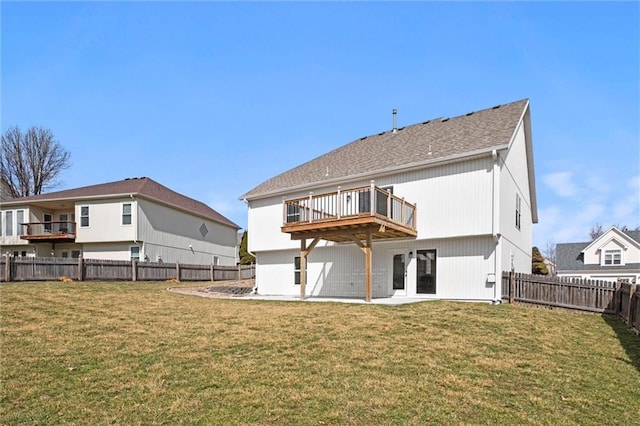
x=212, y=98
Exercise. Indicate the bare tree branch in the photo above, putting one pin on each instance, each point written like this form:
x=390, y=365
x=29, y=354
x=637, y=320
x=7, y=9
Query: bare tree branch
x=31, y=162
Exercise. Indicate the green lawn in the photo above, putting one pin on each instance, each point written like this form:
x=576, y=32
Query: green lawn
x=121, y=353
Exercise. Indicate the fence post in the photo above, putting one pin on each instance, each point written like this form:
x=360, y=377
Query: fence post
x=631, y=311
x=512, y=287
x=212, y=270
x=80, y=269
x=7, y=268
x=177, y=271
x=239, y=272
x=134, y=270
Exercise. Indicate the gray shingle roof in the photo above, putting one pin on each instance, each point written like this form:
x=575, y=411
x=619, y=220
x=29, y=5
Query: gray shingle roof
x=473, y=132
x=569, y=257
x=145, y=187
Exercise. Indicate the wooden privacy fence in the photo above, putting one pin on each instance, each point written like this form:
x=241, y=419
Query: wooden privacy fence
x=615, y=298
x=53, y=268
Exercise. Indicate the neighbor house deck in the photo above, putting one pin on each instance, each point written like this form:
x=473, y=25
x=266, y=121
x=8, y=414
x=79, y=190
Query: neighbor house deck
x=49, y=231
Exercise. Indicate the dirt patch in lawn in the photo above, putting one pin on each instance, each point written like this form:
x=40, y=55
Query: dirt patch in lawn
x=218, y=289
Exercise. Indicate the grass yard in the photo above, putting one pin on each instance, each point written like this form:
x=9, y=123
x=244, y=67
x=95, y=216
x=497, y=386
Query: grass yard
x=121, y=353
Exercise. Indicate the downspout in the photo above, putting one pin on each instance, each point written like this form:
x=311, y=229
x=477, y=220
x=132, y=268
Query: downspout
x=135, y=224
x=495, y=189
x=255, y=288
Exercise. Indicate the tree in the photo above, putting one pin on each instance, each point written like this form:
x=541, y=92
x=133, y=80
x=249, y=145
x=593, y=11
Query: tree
x=549, y=253
x=31, y=162
x=596, y=231
x=246, y=258
x=538, y=266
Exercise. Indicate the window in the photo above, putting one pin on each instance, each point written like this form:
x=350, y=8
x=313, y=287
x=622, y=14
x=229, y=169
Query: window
x=84, y=216
x=613, y=257
x=1, y=224
x=518, y=210
x=65, y=254
x=126, y=214
x=47, y=223
x=20, y=220
x=75, y=254
x=64, y=224
x=135, y=253
x=9, y=224
x=23, y=253
x=216, y=260
x=296, y=270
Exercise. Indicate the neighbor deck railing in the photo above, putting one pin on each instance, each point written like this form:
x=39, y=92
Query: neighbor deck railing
x=48, y=228
x=351, y=203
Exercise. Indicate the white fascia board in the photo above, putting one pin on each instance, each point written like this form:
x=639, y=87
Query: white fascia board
x=600, y=241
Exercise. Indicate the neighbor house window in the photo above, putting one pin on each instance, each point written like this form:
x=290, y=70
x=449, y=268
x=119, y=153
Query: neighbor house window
x=75, y=254
x=613, y=257
x=126, y=214
x=84, y=216
x=518, y=210
x=9, y=224
x=19, y=220
x=135, y=253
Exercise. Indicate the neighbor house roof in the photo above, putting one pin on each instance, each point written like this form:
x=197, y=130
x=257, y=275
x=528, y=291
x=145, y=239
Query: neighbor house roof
x=430, y=141
x=142, y=187
x=570, y=256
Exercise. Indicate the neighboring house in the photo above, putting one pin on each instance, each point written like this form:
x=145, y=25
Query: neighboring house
x=5, y=193
x=436, y=210
x=129, y=219
x=613, y=255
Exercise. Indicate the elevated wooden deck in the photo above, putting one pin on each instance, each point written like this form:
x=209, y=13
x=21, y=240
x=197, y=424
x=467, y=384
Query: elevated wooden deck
x=345, y=215
x=53, y=232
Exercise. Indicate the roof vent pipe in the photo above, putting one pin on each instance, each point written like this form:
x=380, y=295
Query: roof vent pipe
x=395, y=113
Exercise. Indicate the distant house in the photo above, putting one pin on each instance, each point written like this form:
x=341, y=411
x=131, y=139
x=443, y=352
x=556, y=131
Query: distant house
x=433, y=210
x=129, y=219
x=613, y=255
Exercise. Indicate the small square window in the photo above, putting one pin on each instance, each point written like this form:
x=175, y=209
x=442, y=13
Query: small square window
x=135, y=253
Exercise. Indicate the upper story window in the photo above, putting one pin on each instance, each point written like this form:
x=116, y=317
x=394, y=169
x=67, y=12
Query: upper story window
x=518, y=210
x=126, y=214
x=8, y=223
x=612, y=257
x=19, y=222
x=84, y=216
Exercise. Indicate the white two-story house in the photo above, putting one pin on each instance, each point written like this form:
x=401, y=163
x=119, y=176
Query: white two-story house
x=437, y=209
x=129, y=219
x=613, y=255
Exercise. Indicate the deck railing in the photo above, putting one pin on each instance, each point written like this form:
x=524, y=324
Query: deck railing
x=351, y=203
x=35, y=229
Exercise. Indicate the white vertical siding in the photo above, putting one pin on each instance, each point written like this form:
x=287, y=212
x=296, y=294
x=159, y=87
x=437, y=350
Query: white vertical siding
x=516, y=243
x=452, y=200
x=462, y=268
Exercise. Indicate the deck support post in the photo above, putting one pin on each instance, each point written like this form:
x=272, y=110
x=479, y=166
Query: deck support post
x=368, y=268
x=304, y=253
